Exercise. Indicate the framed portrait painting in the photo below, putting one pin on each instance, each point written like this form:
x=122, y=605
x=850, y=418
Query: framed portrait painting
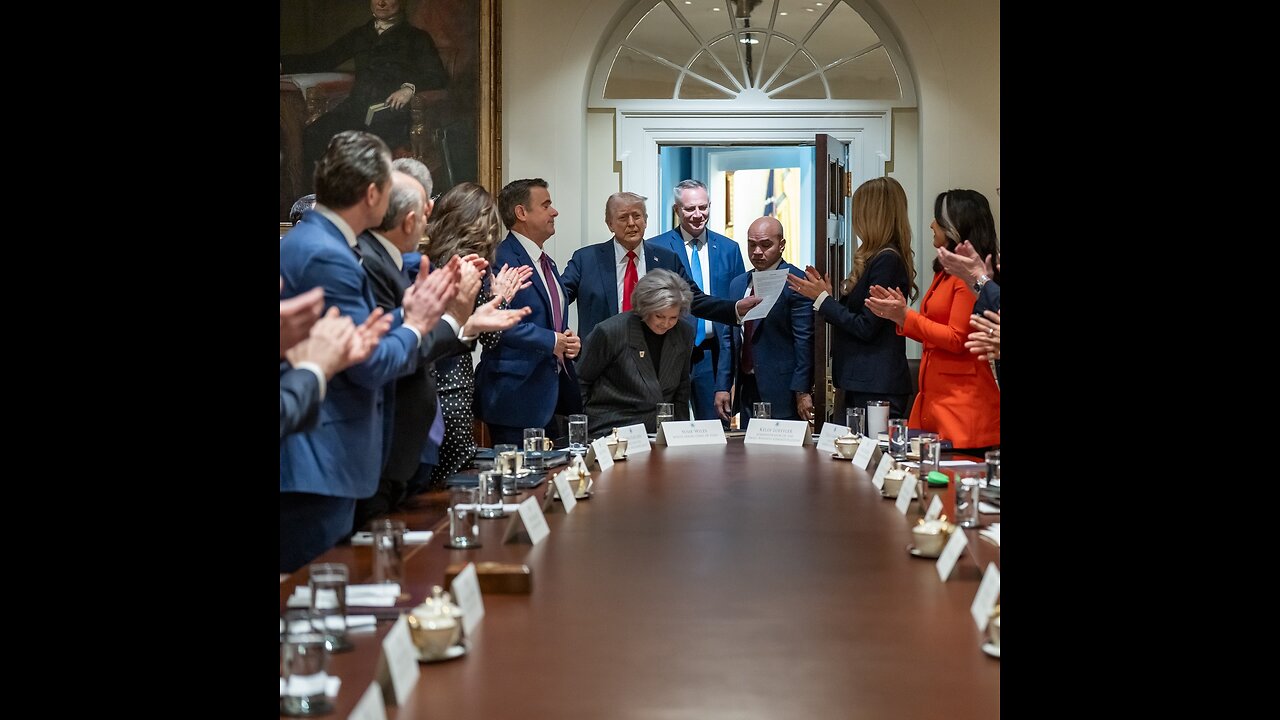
x=421, y=74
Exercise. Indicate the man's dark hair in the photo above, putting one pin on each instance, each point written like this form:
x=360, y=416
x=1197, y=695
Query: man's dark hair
x=352, y=161
x=516, y=193
x=303, y=204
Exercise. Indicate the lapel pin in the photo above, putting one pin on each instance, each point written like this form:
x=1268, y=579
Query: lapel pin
x=641, y=353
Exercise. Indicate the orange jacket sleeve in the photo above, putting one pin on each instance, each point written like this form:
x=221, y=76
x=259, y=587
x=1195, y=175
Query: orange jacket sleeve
x=950, y=336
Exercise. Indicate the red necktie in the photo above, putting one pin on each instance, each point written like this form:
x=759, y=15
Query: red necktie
x=629, y=280
x=549, y=274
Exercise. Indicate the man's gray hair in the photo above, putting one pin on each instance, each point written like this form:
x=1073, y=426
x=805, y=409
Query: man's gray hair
x=686, y=185
x=404, y=198
x=659, y=290
x=415, y=169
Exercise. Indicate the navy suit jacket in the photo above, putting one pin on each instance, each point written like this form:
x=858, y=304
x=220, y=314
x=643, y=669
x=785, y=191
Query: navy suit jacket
x=299, y=399
x=516, y=380
x=867, y=353
x=782, y=346
x=343, y=456
x=724, y=254
x=591, y=279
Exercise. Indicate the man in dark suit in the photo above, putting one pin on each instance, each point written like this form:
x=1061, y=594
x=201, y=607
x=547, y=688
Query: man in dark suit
x=601, y=276
x=771, y=359
x=324, y=472
x=393, y=61
x=712, y=261
x=527, y=378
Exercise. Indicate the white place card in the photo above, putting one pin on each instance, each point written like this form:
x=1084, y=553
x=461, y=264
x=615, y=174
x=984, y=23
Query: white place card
x=693, y=432
x=827, y=439
x=637, y=438
x=600, y=451
x=951, y=553
x=766, y=431
x=886, y=464
x=985, y=601
x=528, y=523
x=935, y=508
x=866, y=452
x=561, y=488
x=466, y=590
x=370, y=706
x=906, y=493
x=400, y=658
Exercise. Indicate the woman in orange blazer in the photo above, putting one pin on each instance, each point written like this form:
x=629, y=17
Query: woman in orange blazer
x=959, y=398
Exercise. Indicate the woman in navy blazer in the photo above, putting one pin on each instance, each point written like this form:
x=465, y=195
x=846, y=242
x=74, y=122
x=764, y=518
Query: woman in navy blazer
x=868, y=356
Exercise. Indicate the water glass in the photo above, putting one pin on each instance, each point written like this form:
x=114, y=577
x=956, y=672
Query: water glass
x=762, y=410
x=490, y=491
x=855, y=420
x=464, y=532
x=508, y=461
x=666, y=413
x=877, y=418
x=930, y=453
x=968, y=486
x=898, y=438
x=388, y=550
x=993, y=468
x=303, y=660
x=328, y=584
x=535, y=441
x=578, y=434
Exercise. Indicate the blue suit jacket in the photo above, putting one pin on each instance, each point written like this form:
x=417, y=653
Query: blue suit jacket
x=725, y=256
x=867, y=353
x=591, y=279
x=299, y=399
x=782, y=345
x=516, y=380
x=343, y=456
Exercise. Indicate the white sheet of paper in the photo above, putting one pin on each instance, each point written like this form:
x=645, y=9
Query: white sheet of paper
x=637, y=438
x=951, y=553
x=768, y=284
x=535, y=523
x=866, y=451
x=761, y=431
x=694, y=432
x=565, y=491
x=402, y=659
x=370, y=595
x=370, y=706
x=411, y=537
x=992, y=532
x=935, y=508
x=905, y=494
x=827, y=439
x=886, y=464
x=962, y=463
x=985, y=600
x=603, y=458
x=466, y=590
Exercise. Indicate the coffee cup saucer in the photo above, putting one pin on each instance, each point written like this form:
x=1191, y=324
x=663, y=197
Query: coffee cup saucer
x=454, y=652
x=916, y=552
x=838, y=456
x=991, y=649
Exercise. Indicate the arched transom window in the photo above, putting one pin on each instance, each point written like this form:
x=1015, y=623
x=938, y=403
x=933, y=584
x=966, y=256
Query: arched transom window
x=783, y=49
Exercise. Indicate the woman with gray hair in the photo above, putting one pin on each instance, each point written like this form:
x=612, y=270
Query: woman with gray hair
x=639, y=358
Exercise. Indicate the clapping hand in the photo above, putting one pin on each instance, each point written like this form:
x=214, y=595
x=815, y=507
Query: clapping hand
x=887, y=303
x=811, y=285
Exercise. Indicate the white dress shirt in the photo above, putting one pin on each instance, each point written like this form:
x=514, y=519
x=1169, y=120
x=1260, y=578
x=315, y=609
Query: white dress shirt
x=620, y=265
x=704, y=260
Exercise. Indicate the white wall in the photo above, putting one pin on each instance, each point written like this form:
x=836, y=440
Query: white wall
x=549, y=50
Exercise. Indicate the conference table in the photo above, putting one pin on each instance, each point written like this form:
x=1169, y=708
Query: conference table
x=722, y=581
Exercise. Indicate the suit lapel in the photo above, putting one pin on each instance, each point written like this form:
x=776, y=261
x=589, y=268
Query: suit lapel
x=640, y=353
x=523, y=258
x=682, y=252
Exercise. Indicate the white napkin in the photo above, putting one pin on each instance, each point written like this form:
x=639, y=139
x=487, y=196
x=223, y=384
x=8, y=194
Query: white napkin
x=506, y=507
x=375, y=595
x=411, y=537
x=331, y=684
x=988, y=508
x=992, y=532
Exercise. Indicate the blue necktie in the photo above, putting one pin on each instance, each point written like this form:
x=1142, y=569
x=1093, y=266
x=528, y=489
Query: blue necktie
x=695, y=269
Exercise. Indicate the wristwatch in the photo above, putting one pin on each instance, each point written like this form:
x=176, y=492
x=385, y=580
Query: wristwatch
x=977, y=284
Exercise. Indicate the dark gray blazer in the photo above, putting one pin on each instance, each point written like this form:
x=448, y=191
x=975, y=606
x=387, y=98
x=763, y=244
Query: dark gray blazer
x=619, y=386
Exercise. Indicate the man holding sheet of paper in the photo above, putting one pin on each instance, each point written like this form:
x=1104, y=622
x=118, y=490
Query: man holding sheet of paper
x=770, y=357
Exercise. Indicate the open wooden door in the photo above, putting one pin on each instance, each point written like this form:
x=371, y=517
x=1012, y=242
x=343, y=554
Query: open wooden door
x=832, y=253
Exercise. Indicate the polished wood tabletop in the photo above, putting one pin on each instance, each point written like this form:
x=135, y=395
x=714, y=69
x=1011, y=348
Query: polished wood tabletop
x=735, y=581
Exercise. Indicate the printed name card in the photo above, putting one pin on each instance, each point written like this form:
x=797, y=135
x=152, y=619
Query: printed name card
x=466, y=590
x=561, y=488
x=528, y=523
x=764, y=431
x=985, y=601
x=693, y=432
x=905, y=494
x=830, y=431
x=600, y=451
x=637, y=438
x=886, y=464
x=370, y=706
x=951, y=553
x=935, y=508
x=866, y=452
x=400, y=661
